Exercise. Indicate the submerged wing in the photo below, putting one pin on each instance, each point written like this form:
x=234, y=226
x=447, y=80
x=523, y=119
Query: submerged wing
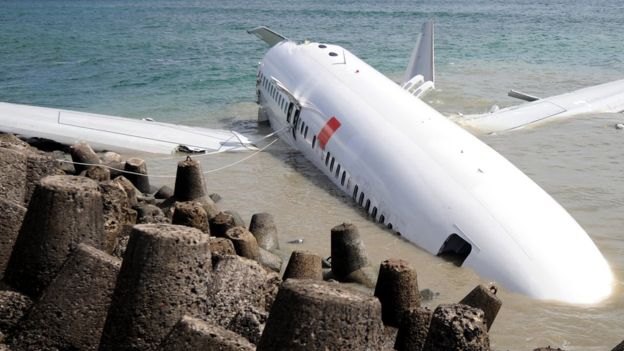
x=115, y=133
x=267, y=35
x=420, y=73
x=603, y=98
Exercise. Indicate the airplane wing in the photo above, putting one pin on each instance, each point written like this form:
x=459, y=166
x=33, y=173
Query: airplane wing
x=420, y=73
x=115, y=133
x=603, y=98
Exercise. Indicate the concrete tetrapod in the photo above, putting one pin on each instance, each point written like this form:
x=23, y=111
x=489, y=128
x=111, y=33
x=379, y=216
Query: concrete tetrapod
x=349, y=261
x=238, y=219
x=13, y=164
x=244, y=242
x=485, y=298
x=114, y=163
x=304, y=265
x=413, y=329
x=270, y=260
x=618, y=347
x=457, y=327
x=191, y=214
x=11, y=217
x=189, y=183
x=129, y=188
x=13, y=306
x=138, y=175
x=397, y=290
x=64, y=211
x=71, y=312
x=39, y=165
x=117, y=212
x=317, y=315
x=84, y=156
x=194, y=334
x=97, y=173
x=220, y=224
x=221, y=246
x=164, y=275
x=262, y=226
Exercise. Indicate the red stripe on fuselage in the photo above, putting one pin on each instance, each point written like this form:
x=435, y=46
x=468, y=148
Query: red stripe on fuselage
x=328, y=130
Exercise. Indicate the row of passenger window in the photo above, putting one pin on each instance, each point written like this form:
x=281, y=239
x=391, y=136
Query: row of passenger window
x=277, y=96
x=330, y=162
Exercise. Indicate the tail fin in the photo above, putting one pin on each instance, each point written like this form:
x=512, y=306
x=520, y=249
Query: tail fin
x=268, y=36
x=422, y=60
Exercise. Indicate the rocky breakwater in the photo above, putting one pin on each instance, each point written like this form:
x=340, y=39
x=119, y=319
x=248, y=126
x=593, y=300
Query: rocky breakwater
x=95, y=258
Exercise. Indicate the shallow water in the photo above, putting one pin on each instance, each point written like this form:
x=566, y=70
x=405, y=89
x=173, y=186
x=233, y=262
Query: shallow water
x=581, y=170
x=192, y=62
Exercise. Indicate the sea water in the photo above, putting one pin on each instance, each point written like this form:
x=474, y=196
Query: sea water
x=192, y=62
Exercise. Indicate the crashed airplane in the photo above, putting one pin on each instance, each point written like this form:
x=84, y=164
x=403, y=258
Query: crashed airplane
x=409, y=167
x=416, y=172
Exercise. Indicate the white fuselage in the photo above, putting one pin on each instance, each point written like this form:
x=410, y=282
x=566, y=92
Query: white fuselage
x=412, y=169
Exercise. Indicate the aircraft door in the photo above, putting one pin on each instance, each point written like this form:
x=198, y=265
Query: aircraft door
x=295, y=121
x=289, y=113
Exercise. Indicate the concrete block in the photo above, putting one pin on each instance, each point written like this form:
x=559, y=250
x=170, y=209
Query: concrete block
x=457, y=327
x=11, y=218
x=484, y=297
x=304, y=265
x=244, y=242
x=397, y=290
x=64, y=211
x=83, y=156
x=413, y=329
x=136, y=172
x=165, y=274
x=239, y=283
x=13, y=176
x=189, y=184
x=194, y=334
x=317, y=315
x=263, y=227
x=191, y=214
x=71, y=312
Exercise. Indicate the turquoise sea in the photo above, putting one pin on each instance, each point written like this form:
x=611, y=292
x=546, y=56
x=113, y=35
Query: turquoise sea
x=192, y=62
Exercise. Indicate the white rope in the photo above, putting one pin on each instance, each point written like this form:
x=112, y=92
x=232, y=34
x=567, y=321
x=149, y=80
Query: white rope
x=241, y=160
x=173, y=176
x=234, y=135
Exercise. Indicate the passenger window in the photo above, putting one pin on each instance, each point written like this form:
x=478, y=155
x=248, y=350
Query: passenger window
x=355, y=192
x=305, y=132
x=361, y=200
x=331, y=165
x=367, y=207
x=382, y=219
x=344, y=175
x=374, y=213
x=338, y=170
x=302, y=126
x=327, y=159
x=313, y=141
